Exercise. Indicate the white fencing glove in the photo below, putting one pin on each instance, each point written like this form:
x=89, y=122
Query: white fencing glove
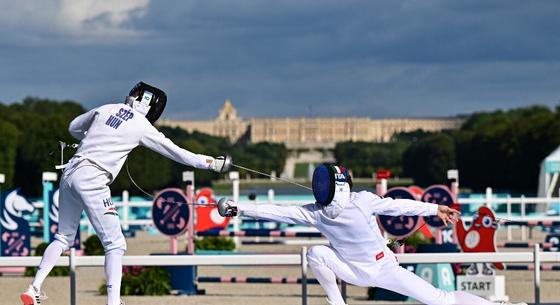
x=226, y=207
x=222, y=164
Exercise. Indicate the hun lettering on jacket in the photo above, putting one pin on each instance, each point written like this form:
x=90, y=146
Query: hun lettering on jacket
x=115, y=121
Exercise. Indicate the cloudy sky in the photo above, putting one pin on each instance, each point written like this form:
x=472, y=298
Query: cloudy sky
x=286, y=58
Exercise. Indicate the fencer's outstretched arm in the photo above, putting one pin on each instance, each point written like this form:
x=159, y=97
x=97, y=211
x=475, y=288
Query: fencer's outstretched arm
x=302, y=215
x=398, y=207
x=80, y=124
x=407, y=207
x=158, y=142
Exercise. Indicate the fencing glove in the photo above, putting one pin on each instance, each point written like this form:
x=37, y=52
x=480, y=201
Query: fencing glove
x=222, y=164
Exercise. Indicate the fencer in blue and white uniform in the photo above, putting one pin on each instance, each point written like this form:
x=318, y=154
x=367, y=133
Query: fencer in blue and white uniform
x=358, y=253
x=107, y=135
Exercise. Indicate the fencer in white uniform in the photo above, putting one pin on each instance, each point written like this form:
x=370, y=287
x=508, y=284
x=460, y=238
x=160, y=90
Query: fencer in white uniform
x=107, y=135
x=358, y=253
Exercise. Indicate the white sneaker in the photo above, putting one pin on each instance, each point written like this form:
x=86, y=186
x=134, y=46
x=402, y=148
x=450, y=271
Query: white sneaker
x=32, y=296
x=122, y=302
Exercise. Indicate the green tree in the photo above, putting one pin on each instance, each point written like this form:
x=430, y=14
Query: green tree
x=504, y=149
x=30, y=132
x=428, y=160
x=9, y=138
x=266, y=157
x=41, y=123
x=364, y=158
x=150, y=170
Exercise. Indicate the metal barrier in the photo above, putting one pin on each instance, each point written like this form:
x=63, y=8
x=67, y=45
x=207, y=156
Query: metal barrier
x=536, y=257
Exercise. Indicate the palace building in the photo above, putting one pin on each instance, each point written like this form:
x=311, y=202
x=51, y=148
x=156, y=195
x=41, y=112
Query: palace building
x=309, y=132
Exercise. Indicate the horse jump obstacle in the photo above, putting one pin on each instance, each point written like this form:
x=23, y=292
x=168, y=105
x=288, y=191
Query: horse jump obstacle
x=254, y=280
x=259, y=233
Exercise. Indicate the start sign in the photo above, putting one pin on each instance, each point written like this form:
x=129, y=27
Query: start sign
x=170, y=212
x=399, y=226
x=492, y=288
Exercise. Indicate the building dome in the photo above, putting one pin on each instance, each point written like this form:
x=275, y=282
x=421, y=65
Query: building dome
x=228, y=112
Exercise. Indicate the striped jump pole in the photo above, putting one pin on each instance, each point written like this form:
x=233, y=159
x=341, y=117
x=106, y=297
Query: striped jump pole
x=532, y=223
x=544, y=267
x=529, y=267
x=254, y=280
x=527, y=223
x=544, y=246
x=259, y=233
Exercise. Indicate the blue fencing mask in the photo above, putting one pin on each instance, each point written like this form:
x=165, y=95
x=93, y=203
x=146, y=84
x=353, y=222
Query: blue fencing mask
x=331, y=188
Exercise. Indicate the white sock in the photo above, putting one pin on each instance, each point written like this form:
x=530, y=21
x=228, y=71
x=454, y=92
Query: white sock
x=52, y=253
x=327, y=279
x=113, y=272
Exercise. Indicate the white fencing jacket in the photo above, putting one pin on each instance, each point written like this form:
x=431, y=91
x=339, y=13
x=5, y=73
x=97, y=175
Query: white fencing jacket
x=354, y=234
x=110, y=132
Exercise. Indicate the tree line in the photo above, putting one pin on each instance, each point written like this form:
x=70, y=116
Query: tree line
x=501, y=149
x=30, y=132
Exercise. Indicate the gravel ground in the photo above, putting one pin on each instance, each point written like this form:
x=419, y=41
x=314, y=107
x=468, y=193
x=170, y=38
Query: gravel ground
x=519, y=283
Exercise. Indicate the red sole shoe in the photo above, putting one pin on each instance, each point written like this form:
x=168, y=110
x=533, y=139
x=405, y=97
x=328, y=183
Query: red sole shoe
x=26, y=299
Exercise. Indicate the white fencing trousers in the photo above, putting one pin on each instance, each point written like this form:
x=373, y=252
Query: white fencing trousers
x=84, y=187
x=327, y=266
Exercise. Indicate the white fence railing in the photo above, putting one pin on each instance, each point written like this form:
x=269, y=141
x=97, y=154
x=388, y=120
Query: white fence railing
x=489, y=199
x=536, y=257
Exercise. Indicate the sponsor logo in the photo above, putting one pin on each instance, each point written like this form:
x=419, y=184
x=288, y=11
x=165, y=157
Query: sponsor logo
x=379, y=256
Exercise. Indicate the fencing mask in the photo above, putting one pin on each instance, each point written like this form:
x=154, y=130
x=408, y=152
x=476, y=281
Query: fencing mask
x=148, y=100
x=331, y=186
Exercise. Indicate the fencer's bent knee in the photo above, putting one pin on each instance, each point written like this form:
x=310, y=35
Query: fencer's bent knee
x=316, y=255
x=118, y=243
x=115, y=251
x=65, y=241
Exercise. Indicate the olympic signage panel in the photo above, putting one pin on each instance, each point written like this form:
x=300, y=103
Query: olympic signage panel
x=170, y=212
x=554, y=241
x=399, y=226
x=438, y=194
x=14, y=228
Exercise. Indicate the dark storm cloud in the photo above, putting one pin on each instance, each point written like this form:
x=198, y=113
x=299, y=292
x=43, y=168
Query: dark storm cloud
x=276, y=58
